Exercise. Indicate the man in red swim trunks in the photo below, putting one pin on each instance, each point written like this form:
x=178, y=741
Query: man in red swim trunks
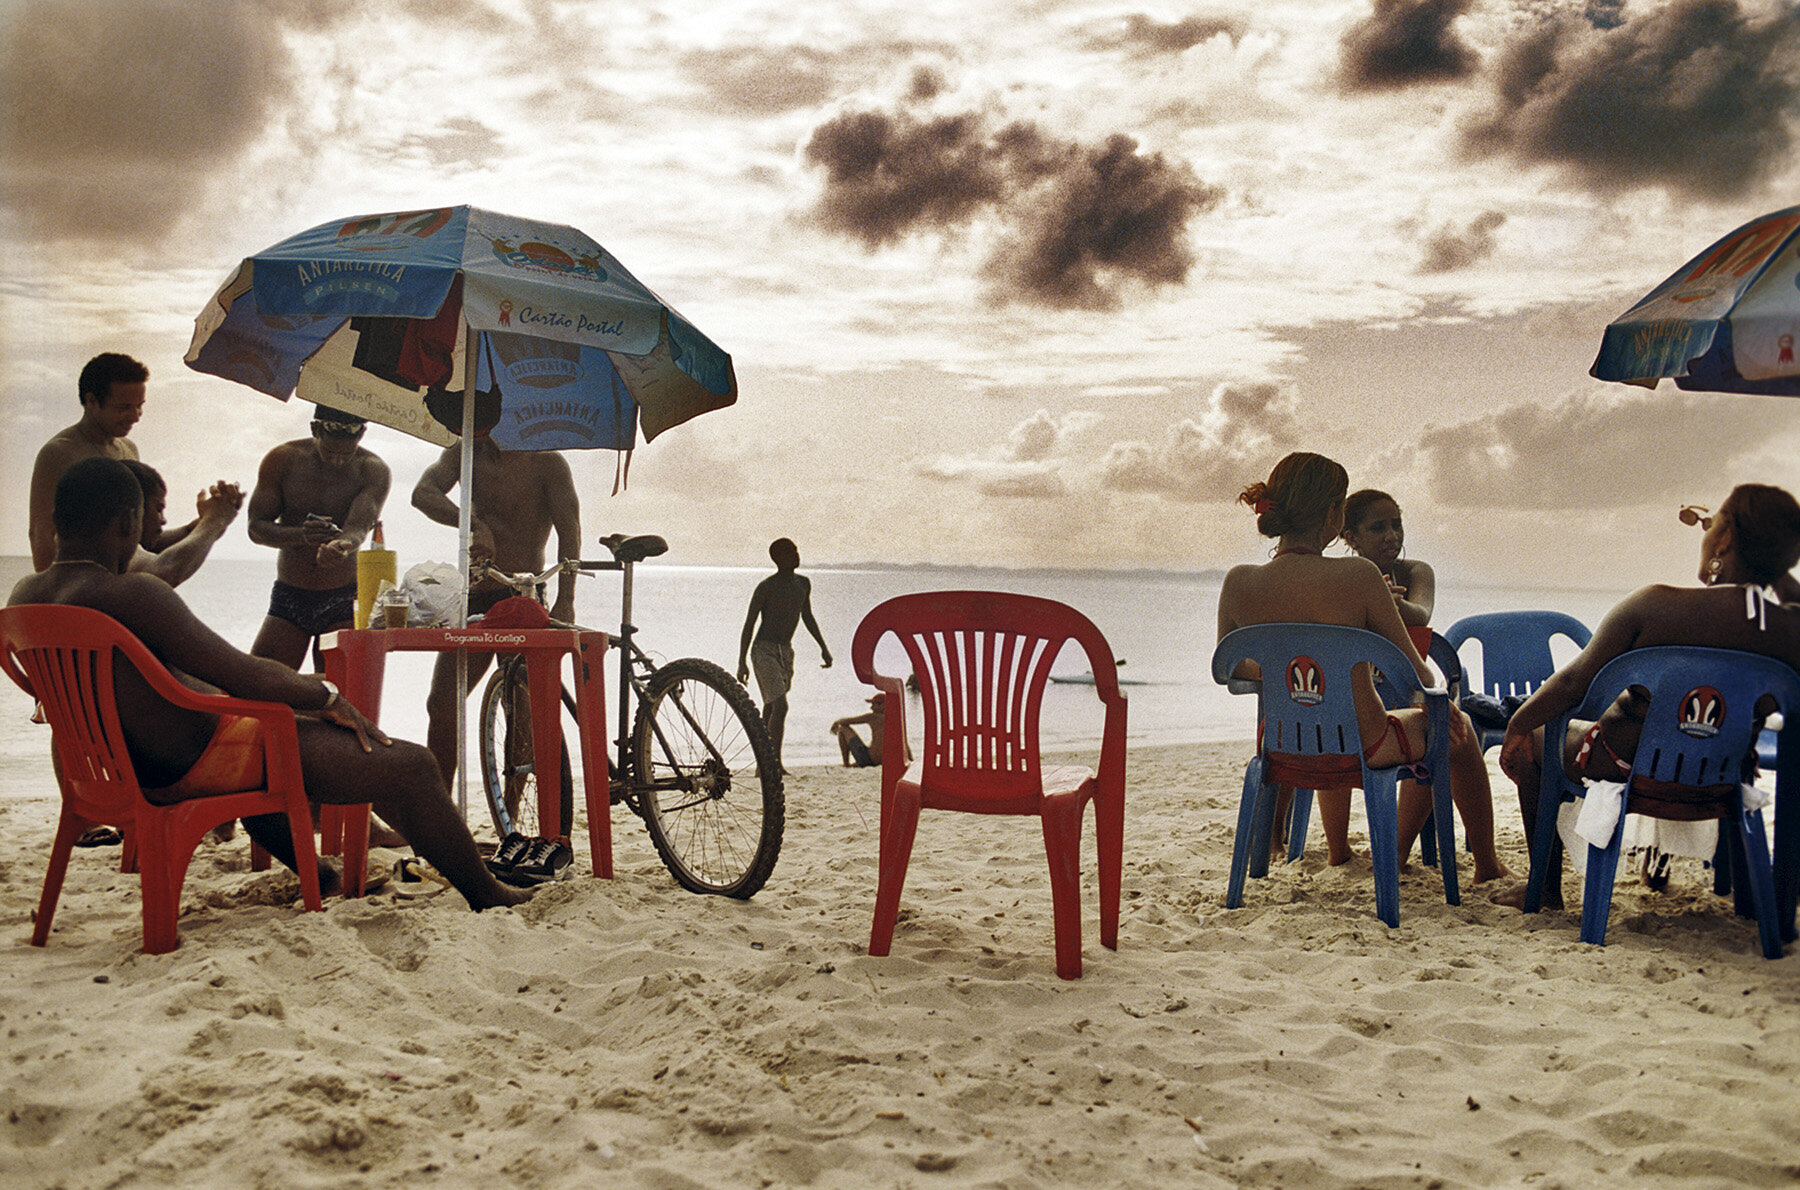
x=344, y=758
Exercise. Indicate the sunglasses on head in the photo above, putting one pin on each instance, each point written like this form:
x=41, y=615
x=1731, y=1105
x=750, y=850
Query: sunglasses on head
x=1694, y=514
x=337, y=429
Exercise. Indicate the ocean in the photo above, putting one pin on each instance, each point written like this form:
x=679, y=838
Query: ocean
x=1161, y=625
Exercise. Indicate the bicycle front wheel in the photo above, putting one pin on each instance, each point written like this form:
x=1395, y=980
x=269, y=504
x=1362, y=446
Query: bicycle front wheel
x=508, y=762
x=707, y=780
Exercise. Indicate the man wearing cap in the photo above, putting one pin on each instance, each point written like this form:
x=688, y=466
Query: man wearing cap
x=315, y=500
x=856, y=754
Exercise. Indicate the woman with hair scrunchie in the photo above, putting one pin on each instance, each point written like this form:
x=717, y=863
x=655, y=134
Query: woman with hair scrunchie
x=1301, y=505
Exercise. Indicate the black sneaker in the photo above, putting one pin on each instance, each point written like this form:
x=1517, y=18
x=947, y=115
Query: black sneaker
x=511, y=850
x=544, y=860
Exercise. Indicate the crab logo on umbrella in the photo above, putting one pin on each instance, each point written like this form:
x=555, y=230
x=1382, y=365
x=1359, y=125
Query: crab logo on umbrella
x=1702, y=711
x=1305, y=681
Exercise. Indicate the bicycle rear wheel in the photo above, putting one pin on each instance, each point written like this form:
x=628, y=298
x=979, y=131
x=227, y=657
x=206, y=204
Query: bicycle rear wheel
x=508, y=764
x=707, y=780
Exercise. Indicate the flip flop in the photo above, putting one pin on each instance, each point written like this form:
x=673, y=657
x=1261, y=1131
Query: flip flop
x=99, y=836
x=414, y=877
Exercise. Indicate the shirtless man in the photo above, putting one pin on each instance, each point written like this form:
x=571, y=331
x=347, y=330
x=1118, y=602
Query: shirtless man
x=1749, y=547
x=519, y=497
x=345, y=759
x=112, y=400
x=783, y=600
x=315, y=500
x=851, y=748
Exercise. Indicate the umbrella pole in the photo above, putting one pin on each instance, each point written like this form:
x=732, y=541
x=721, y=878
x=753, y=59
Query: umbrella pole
x=463, y=521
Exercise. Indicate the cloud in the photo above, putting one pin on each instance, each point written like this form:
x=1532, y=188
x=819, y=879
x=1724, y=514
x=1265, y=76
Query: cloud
x=764, y=80
x=1028, y=464
x=1403, y=42
x=1081, y=224
x=114, y=114
x=1698, y=98
x=1448, y=249
x=1244, y=430
x=1606, y=448
x=1146, y=37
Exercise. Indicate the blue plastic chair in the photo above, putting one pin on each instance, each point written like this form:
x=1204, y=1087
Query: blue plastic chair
x=1515, y=652
x=1701, y=726
x=1310, y=713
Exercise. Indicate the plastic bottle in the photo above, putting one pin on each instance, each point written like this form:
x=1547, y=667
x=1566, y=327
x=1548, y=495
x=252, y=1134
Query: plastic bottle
x=373, y=565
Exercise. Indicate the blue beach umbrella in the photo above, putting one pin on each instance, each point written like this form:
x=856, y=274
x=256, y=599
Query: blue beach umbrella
x=1727, y=321
x=390, y=316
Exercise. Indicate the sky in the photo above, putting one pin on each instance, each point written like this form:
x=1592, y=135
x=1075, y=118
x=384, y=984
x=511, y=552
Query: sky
x=1024, y=284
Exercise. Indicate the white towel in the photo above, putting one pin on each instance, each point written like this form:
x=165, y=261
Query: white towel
x=1591, y=820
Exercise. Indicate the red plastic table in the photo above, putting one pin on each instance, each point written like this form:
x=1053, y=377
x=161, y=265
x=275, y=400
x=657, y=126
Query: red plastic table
x=356, y=659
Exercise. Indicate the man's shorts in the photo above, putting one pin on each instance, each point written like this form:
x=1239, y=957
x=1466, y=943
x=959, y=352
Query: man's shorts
x=313, y=612
x=232, y=762
x=773, y=664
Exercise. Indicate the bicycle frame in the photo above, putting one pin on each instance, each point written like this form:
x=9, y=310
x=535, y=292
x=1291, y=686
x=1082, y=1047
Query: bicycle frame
x=625, y=779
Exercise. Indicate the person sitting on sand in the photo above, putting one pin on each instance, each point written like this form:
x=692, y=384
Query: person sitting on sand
x=1746, y=602
x=180, y=753
x=855, y=753
x=1301, y=505
x=1373, y=528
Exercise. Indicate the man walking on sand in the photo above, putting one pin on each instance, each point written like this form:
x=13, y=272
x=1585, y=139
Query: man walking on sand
x=344, y=759
x=112, y=400
x=315, y=500
x=783, y=601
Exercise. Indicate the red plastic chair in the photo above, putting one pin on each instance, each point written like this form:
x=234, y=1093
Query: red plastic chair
x=64, y=658
x=982, y=659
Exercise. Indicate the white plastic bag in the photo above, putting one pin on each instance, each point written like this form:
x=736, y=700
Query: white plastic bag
x=433, y=588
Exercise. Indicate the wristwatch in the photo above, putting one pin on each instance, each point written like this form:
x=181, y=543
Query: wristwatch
x=331, y=695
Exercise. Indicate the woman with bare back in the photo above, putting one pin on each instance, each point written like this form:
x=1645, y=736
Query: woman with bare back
x=1747, y=601
x=1301, y=505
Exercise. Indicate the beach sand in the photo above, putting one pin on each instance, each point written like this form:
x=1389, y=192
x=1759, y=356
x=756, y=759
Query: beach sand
x=629, y=1033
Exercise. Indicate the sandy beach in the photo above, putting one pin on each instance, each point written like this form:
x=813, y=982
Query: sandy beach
x=629, y=1033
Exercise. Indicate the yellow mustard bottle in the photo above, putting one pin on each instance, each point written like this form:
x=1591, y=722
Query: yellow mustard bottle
x=372, y=566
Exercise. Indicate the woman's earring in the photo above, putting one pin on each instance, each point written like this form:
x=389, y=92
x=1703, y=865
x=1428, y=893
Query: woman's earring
x=1712, y=571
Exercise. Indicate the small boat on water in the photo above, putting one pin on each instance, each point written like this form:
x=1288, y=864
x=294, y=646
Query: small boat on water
x=1087, y=679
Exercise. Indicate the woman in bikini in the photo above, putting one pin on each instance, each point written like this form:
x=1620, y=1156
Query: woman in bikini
x=1747, y=601
x=1373, y=528
x=1301, y=505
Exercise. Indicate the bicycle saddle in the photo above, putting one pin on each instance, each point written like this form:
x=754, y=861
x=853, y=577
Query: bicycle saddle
x=635, y=549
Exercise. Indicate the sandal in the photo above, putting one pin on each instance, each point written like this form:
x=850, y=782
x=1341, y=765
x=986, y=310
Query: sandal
x=414, y=877
x=99, y=836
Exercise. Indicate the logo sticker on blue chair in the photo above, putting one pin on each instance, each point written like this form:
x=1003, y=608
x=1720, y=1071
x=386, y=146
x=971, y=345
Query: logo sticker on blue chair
x=1306, y=685
x=1702, y=710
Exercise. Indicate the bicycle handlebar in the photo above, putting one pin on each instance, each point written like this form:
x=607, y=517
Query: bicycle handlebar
x=625, y=551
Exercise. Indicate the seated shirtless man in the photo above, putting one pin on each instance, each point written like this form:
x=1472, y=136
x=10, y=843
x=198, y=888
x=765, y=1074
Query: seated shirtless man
x=1749, y=547
x=179, y=753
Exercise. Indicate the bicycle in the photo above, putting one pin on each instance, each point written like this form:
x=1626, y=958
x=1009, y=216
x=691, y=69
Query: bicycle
x=697, y=764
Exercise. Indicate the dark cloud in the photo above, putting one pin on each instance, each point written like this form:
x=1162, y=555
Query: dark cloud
x=1403, y=42
x=1698, y=98
x=1601, y=449
x=764, y=81
x=1605, y=14
x=927, y=83
x=115, y=113
x=1244, y=430
x=1081, y=222
x=1145, y=36
x=1450, y=248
